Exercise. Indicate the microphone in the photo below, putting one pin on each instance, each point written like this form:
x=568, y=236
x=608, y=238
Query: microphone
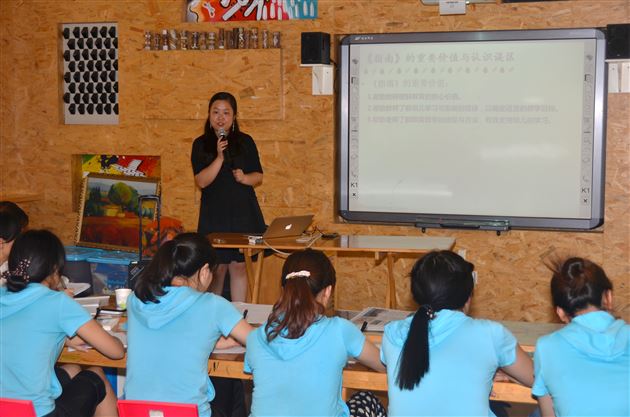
x=226, y=153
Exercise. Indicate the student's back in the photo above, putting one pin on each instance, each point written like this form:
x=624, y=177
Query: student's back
x=464, y=356
x=173, y=325
x=302, y=376
x=297, y=357
x=583, y=369
x=586, y=366
x=34, y=324
x=440, y=361
x=36, y=317
x=169, y=344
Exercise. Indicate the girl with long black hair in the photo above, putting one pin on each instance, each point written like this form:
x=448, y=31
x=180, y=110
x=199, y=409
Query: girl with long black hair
x=440, y=352
x=174, y=324
x=36, y=318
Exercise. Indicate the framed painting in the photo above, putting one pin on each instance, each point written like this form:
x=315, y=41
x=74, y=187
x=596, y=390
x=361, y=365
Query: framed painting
x=108, y=215
x=131, y=165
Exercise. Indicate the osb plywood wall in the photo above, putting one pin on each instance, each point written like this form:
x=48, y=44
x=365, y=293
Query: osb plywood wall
x=161, y=113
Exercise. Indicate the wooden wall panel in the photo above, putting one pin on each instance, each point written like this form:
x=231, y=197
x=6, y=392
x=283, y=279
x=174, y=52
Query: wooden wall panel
x=296, y=140
x=176, y=83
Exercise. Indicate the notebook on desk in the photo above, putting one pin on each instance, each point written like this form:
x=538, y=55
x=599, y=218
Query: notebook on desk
x=287, y=226
x=374, y=319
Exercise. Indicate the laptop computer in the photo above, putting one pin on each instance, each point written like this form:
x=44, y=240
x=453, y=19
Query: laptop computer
x=287, y=226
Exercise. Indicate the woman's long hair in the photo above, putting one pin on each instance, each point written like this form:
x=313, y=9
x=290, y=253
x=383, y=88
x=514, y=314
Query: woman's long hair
x=439, y=280
x=35, y=255
x=186, y=254
x=304, y=275
x=578, y=283
x=233, y=134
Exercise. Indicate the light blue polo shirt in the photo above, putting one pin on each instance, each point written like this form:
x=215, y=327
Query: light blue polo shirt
x=464, y=354
x=34, y=323
x=585, y=367
x=302, y=377
x=169, y=344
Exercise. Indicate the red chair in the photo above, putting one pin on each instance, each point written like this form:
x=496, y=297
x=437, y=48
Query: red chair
x=16, y=408
x=133, y=408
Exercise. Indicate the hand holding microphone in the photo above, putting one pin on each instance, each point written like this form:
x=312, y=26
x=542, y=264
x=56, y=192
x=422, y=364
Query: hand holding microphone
x=222, y=143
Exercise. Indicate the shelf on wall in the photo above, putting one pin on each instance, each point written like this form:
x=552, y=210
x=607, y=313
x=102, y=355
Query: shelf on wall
x=178, y=84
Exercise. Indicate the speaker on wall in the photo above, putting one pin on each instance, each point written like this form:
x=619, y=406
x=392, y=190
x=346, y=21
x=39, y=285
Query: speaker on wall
x=618, y=41
x=315, y=48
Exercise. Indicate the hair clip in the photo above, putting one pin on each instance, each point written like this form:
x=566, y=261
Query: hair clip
x=22, y=269
x=298, y=274
x=428, y=310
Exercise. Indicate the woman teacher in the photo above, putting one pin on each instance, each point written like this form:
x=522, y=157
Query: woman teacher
x=227, y=168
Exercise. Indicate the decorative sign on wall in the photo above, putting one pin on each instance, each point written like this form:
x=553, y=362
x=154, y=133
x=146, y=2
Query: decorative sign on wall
x=130, y=165
x=90, y=73
x=232, y=10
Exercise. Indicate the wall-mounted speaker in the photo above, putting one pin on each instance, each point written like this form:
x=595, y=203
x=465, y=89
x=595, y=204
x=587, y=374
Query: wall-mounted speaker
x=618, y=41
x=315, y=48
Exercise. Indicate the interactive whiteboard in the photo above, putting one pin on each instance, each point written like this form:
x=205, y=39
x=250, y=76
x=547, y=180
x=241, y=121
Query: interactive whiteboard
x=488, y=130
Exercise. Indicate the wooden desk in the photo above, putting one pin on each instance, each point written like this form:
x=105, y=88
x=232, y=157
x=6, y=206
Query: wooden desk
x=355, y=376
x=383, y=247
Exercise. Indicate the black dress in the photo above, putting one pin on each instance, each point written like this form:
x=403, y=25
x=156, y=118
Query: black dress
x=226, y=205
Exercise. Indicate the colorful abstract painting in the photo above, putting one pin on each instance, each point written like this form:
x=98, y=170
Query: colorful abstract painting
x=109, y=211
x=258, y=10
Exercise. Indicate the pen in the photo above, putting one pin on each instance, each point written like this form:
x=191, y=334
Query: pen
x=245, y=313
x=364, y=326
x=98, y=311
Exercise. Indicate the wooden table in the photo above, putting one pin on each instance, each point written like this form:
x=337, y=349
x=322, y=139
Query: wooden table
x=355, y=376
x=383, y=247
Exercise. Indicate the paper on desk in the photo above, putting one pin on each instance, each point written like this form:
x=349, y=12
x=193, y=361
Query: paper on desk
x=233, y=349
x=77, y=287
x=119, y=335
x=256, y=313
x=376, y=318
x=91, y=304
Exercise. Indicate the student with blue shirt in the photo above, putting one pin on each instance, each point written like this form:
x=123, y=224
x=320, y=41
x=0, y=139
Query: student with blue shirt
x=297, y=357
x=583, y=369
x=440, y=361
x=36, y=317
x=173, y=325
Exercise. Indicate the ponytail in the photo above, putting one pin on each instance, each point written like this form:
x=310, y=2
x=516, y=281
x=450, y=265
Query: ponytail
x=296, y=309
x=304, y=275
x=186, y=254
x=439, y=280
x=414, y=359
